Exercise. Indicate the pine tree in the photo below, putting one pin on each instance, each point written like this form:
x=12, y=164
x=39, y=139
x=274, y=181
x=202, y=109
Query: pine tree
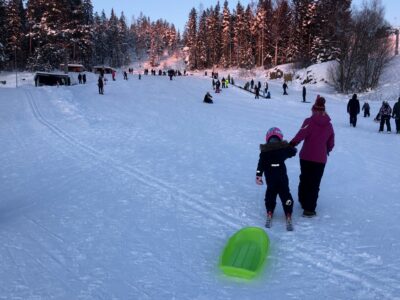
x=202, y=42
x=247, y=60
x=14, y=31
x=261, y=30
x=226, y=39
x=216, y=32
x=281, y=32
x=52, y=36
x=101, y=46
x=238, y=33
x=113, y=39
x=301, y=41
x=2, y=36
x=124, y=40
x=332, y=21
x=80, y=27
x=191, y=39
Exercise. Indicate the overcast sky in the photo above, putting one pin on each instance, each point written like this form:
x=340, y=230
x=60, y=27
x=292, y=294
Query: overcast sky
x=177, y=11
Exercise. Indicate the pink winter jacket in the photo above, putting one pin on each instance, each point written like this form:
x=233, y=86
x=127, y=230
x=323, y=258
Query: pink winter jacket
x=319, y=138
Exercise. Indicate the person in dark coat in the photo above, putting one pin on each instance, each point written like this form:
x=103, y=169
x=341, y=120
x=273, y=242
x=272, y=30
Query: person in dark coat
x=125, y=75
x=223, y=82
x=84, y=78
x=272, y=164
x=353, y=109
x=266, y=89
x=257, y=91
x=100, y=84
x=319, y=139
x=396, y=115
x=366, y=109
x=252, y=84
x=208, y=98
x=285, y=86
x=385, y=112
x=304, y=93
x=217, y=86
x=80, y=78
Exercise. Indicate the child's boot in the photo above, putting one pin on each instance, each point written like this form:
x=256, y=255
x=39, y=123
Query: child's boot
x=268, y=223
x=289, y=224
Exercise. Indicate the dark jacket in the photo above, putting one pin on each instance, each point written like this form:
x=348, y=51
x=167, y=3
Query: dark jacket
x=365, y=107
x=208, y=98
x=396, y=110
x=100, y=82
x=353, y=107
x=385, y=111
x=272, y=161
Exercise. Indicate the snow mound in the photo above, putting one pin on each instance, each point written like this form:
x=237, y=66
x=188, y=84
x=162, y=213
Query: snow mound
x=316, y=74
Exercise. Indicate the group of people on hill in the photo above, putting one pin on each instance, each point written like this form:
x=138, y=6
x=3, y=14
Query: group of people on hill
x=256, y=89
x=101, y=82
x=82, y=78
x=318, y=139
x=383, y=117
x=164, y=73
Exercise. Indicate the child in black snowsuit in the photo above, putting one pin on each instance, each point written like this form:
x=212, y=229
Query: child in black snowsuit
x=272, y=164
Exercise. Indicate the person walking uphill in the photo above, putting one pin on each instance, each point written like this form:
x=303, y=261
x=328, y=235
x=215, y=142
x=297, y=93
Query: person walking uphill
x=353, y=109
x=100, y=83
x=272, y=165
x=385, y=112
x=285, y=86
x=366, y=108
x=319, y=140
x=396, y=115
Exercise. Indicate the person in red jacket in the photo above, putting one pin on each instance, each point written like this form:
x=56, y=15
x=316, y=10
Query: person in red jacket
x=319, y=139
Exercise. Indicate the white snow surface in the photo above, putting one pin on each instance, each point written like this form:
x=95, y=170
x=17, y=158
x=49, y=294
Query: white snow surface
x=133, y=195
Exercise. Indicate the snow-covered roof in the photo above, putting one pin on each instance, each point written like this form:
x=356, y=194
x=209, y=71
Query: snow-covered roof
x=51, y=73
x=102, y=67
x=73, y=65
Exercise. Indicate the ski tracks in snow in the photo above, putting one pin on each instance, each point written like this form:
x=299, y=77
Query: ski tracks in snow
x=194, y=203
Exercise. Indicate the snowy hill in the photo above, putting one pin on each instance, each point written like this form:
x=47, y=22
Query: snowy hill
x=132, y=195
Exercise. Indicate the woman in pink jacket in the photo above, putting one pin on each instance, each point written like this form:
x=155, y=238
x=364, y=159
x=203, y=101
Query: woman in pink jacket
x=319, y=139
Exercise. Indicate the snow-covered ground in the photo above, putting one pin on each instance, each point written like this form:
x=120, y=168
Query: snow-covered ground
x=133, y=195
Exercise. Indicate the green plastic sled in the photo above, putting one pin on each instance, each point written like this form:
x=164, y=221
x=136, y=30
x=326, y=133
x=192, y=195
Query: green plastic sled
x=245, y=253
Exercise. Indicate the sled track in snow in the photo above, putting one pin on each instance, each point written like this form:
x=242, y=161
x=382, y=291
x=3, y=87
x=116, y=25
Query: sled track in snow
x=335, y=267
x=204, y=208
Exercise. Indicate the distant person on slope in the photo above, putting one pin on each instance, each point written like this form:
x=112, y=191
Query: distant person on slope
x=304, y=93
x=319, y=140
x=385, y=112
x=100, y=84
x=257, y=92
x=366, y=109
x=285, y=86
x=208, y=98
x=272, y=164
x=353, y=109
x=265, y=89
x=396, y=115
